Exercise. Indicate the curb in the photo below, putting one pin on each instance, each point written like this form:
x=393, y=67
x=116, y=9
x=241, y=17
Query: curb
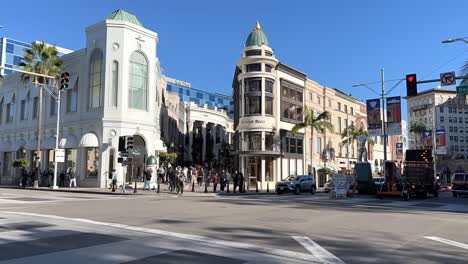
x=69, y=191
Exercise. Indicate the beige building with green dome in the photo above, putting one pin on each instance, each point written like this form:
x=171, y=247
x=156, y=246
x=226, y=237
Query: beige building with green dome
x=269, y=101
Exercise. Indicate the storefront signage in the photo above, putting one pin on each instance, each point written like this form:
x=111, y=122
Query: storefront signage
x=255, y=121
x=59, y=155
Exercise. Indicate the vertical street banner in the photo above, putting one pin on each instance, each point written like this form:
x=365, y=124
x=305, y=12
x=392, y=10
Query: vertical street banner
x=441, y=142
x=399, y=150
x=374, y=120
x=426, y=138
x=394, y=116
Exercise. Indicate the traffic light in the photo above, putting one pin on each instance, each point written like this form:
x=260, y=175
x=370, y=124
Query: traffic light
x=411, y=85
x=129, y=143
x=65, y=78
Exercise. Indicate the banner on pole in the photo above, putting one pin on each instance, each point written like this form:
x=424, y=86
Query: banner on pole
x=399, y=150
x=441, y=142
x=374, y=120
x=394, y=116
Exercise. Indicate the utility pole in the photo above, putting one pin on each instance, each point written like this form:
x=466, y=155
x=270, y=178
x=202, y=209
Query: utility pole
x=347, y=136
x=383, y=118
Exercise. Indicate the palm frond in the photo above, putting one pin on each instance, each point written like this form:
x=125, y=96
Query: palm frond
x=298, y=127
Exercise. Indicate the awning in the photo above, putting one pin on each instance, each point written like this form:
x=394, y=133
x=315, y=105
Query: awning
x=159, y=146
x=5, y=146
x=68, y=142
x=48, y=143
x=89, y=140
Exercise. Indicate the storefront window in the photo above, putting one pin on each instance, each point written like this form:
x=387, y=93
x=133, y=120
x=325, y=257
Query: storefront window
x=6, y=163
x=254, y=141
x=92, y=162
x=268, y=105
x=269, y=169
x=269, y=145
x=70, y=159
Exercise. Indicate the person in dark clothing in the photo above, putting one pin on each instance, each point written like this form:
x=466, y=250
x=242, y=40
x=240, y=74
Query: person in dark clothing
x=241, y=182
x=236, y=181
x=62, y=179
x=24, y=178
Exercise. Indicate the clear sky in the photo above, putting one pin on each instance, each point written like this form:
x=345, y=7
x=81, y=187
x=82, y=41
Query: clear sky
x=337, y=43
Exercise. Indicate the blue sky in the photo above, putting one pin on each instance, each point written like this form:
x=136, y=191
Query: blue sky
x=337, y=43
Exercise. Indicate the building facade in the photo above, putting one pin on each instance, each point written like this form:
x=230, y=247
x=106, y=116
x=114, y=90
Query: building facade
x=12, y=52
x=269, y=101
x=199, y=97
x=115, y=91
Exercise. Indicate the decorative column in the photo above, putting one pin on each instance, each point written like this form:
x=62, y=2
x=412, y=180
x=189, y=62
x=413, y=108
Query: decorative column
x=204, y=141
x=190, y=143
x=213, y=138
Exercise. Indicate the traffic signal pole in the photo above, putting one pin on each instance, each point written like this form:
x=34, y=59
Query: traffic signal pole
x=383, y=120
x=57, y=142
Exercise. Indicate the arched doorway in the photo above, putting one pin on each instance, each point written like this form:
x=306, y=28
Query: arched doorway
x=137, y=156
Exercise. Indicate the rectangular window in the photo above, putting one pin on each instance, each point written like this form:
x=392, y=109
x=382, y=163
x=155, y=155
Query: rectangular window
x=24, y=109
x=268, y=67
x=256, y=67
x=254, y=141
x=253, y=85
x=319, y=99
x=253, y=105
x=300, y=147
x=35, y=107
x=269, y=83
x=455, y=129
x=269, y=142
x=10, y=112
x=212, y=98
x=339, y=124
x=451, y=138
x=442, y=119
x=268, y=105
x=329, y=103
x=268, y=53
x=462, y=138
x=72, y=99
x=460, y=120
x=253, y=53
x=441, y=109
x=339, y=106
x=292, y=145
x=346, y=108
x=311, y=96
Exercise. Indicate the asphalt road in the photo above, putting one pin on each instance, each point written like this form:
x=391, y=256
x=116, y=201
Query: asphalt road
x=241, y=229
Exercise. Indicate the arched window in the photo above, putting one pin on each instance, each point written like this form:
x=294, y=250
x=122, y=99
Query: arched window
x=138, y=91
x=115, y=83
x=95, y=79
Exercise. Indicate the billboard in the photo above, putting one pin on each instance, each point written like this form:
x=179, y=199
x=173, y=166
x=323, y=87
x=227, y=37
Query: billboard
x=394, y=116
x=374, y=120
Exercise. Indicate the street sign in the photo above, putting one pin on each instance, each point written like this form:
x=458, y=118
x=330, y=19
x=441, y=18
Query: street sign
x=447, y=78
x=59, y=155
x=123, y=154
x=462, y=90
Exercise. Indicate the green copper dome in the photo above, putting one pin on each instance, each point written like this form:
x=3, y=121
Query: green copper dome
x=124, y=16
x=257, y=37
x=151, y=161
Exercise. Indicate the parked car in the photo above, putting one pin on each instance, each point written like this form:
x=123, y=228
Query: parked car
x=297, y=184
x=327, y=187
x=459, y=184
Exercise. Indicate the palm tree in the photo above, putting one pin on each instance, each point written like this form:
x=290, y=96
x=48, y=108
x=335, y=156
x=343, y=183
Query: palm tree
x=354, y=134
x=42, y=59
x=417, y=128
x=317, y=122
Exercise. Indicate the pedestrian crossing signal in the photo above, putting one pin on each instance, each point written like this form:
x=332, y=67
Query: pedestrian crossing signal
x=65, y=78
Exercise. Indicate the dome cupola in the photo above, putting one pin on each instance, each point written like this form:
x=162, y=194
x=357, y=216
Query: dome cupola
x=257, y=37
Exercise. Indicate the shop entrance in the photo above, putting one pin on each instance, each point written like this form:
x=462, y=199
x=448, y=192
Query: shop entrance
x=253, y=171
x=138, y=155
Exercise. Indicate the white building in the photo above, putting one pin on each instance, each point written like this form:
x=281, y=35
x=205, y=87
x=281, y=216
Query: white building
x=269, y=101
x=116, y=91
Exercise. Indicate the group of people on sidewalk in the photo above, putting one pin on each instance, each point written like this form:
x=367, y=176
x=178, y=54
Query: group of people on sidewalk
x=67, y=178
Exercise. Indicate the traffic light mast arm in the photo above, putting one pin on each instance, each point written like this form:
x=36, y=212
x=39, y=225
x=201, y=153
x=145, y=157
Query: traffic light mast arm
x=438, y=80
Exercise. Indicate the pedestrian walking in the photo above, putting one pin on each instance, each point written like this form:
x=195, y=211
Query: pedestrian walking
x=24, y=178
x=148, y=176
x=215, y=181
x=236, y=181
x=62, y=179
x=114, y=180
x=161, y=174
x=228, y=180
x=241, y=183
x=72, y=177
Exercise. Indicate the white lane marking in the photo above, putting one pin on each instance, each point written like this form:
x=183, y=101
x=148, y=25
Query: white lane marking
x=218, y=242
x=317, y=251
x=447, y=241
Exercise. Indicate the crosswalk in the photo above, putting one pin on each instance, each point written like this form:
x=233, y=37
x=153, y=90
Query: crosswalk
x=33, y=238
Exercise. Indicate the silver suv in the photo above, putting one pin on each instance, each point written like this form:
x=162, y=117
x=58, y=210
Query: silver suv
x=297, y=184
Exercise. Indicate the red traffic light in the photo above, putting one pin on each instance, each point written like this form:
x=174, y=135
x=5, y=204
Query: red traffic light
x=411, y=85
x=410, y=78
x=65, y=74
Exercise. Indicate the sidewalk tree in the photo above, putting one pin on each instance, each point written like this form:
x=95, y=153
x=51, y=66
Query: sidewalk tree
x=43, y=59
x=316, y=122
x=20, y=163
